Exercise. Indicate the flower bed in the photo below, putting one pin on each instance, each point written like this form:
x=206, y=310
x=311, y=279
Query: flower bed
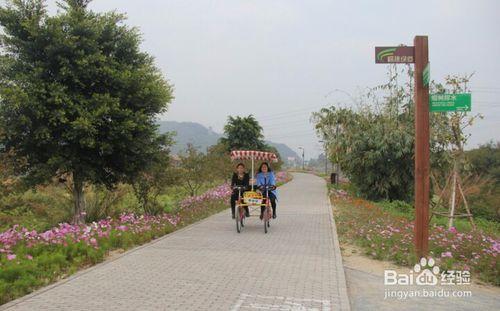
x=283, y=177
x=386, y=236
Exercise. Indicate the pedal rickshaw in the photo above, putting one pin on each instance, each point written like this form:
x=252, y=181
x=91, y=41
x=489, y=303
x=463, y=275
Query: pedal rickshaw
x=253, y=199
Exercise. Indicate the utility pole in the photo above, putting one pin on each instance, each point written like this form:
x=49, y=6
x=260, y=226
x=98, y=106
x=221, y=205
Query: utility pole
x=326, y=163
x=303, y=159
x=326, y=157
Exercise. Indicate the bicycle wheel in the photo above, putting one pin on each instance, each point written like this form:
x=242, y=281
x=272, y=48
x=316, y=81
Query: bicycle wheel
x=266, y=219
x=238, y=219
x=242, y=222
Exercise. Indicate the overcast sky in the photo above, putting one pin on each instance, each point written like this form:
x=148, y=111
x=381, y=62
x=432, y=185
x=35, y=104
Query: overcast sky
x=278, y=59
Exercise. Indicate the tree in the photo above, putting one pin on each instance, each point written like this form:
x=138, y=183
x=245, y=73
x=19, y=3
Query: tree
x=218, y=161
x=243, y=133
x=77, y=95
x=485, y=160
x=153, y=179
x=246, y=133
x=485, y=166
x=193, y=170
x=374, y=142
x=373, y=150
x=454, y=141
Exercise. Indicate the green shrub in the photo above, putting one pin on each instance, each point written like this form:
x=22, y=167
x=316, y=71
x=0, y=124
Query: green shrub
x=102, y=202
x=486, y=204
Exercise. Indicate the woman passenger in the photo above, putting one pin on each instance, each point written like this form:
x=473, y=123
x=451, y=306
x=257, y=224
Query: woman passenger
x=265, y=177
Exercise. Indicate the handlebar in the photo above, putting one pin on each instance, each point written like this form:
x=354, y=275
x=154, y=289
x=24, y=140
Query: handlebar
x=240, y=187
x=267, y=187
x=263, y=187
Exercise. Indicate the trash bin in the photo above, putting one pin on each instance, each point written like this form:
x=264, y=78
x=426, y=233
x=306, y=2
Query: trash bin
x=333, y=178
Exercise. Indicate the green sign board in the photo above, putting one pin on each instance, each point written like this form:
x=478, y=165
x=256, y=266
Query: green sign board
x=450, y=102
x=426, y=75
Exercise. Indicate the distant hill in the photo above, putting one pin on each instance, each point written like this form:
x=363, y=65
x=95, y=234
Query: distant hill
x=189, y=133
x=202, y=137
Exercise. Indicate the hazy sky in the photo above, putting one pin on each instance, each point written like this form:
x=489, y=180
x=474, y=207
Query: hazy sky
x=278, y=59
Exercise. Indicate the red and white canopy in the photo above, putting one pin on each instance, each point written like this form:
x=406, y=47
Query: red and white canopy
x=253, y=154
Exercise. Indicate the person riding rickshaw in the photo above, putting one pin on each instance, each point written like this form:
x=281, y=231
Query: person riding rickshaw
x=245, y=197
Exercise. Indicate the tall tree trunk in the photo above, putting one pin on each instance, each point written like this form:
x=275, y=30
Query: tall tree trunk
x=79, y=200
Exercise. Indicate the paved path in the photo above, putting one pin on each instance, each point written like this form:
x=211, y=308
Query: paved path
x=208, y=266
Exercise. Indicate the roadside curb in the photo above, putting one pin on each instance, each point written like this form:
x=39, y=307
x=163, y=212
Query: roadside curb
x=341, y=281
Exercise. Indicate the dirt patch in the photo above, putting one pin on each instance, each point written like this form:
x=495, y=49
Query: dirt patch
x=354, y=258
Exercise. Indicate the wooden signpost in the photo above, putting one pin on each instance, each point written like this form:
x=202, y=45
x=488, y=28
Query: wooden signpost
x=419, y=55
x=422, y=148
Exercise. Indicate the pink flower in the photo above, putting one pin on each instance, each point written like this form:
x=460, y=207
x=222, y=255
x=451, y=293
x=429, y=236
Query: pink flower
x=11, y=256
x=446, y=254
x=453, y=230
x=29, y=257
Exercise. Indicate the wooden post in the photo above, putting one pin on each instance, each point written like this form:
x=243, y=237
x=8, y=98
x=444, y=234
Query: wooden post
x=422, y=165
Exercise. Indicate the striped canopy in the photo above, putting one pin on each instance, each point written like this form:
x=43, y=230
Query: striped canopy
x=253, y=154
